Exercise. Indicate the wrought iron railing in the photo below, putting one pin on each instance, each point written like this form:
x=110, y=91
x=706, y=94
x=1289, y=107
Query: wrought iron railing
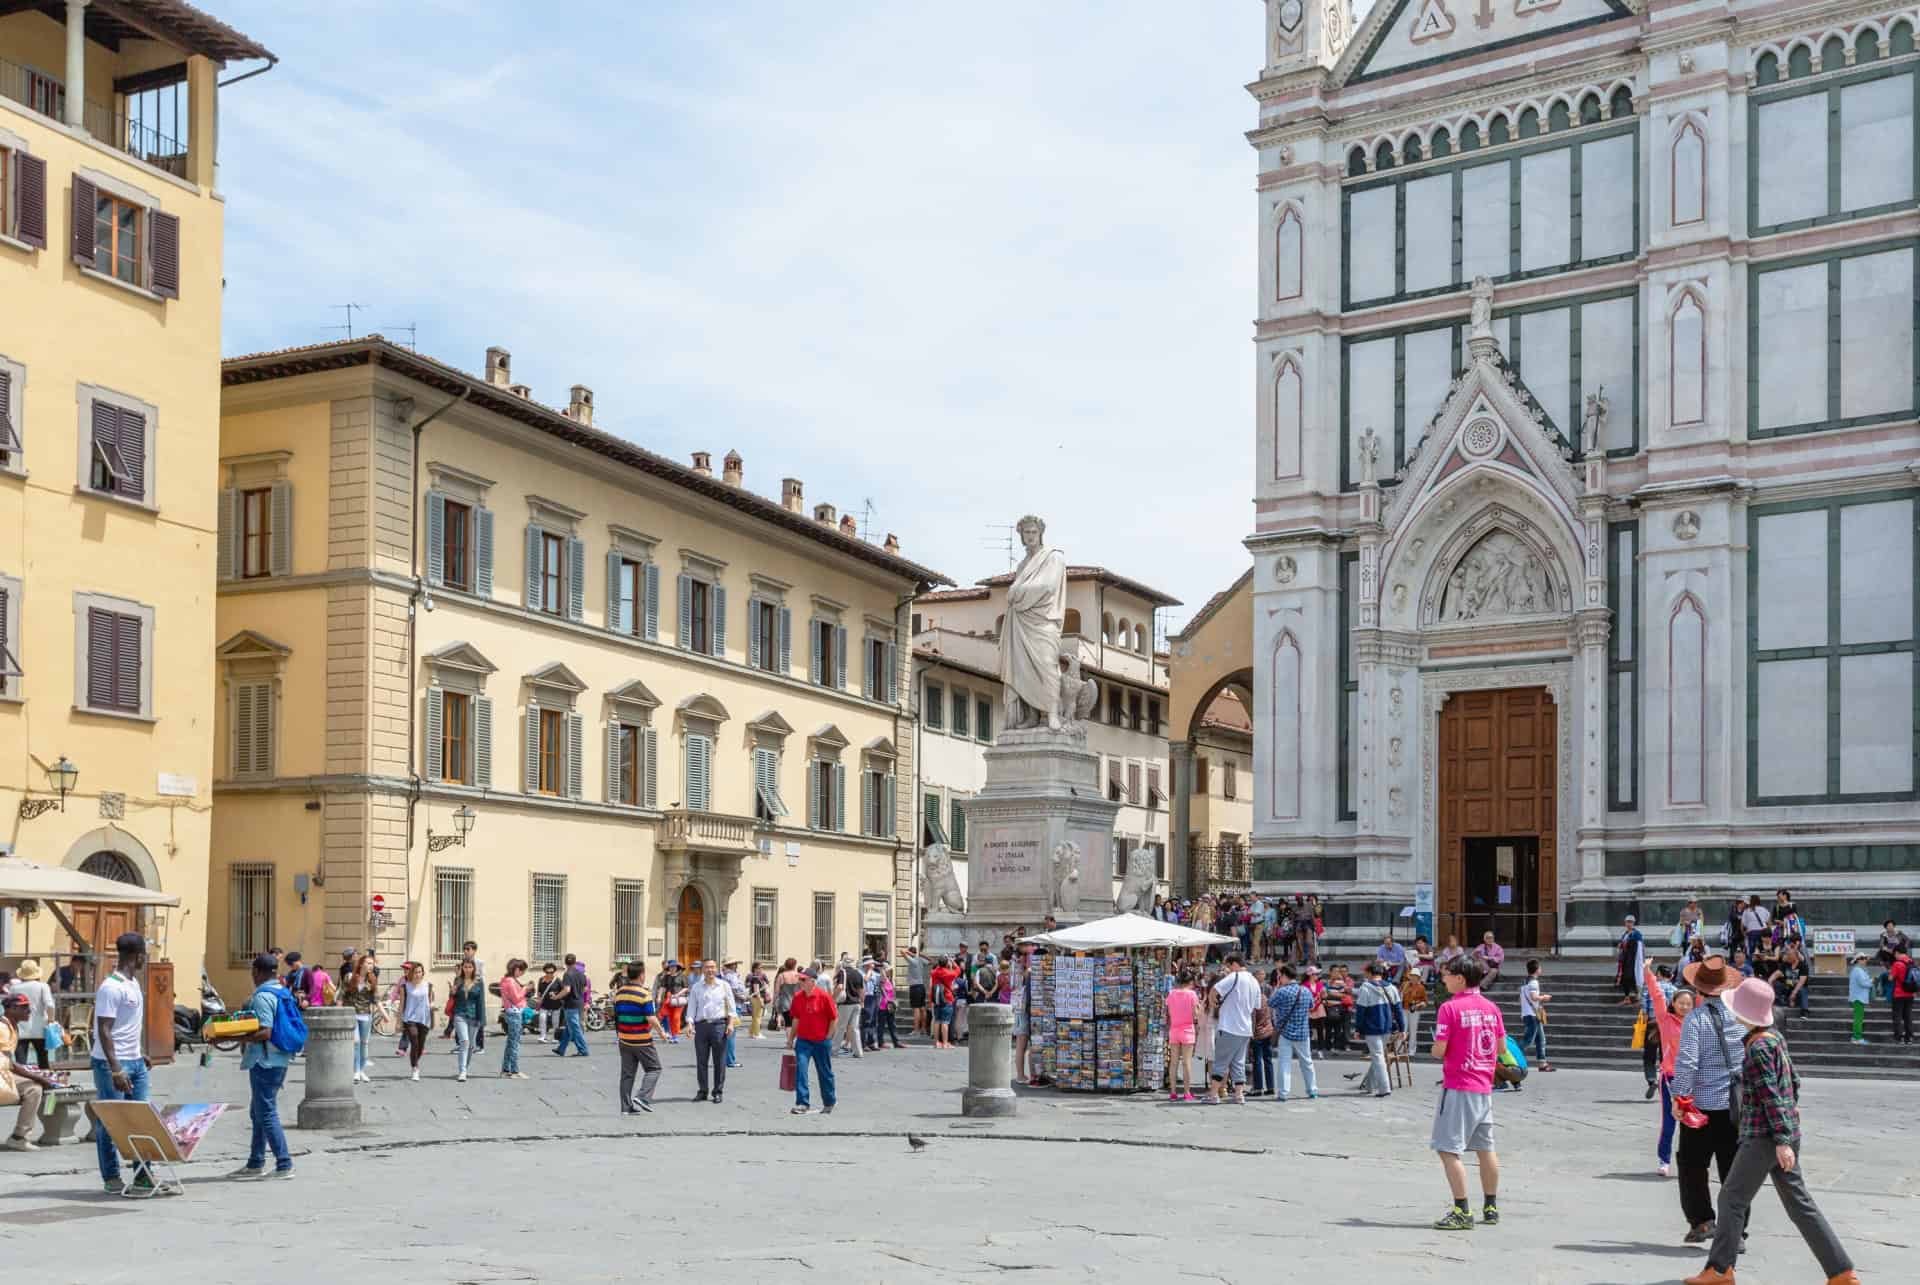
x=133, y=135
x=1219, y=868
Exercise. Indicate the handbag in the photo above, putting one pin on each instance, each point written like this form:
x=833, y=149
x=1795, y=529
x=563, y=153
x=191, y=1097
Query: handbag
x=1262, y=1022
x=789, y=1072
x=1639, y=1032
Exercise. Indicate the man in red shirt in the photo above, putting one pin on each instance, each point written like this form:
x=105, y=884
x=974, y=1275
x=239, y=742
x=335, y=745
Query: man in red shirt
x=810, y=1036
x=943, y=978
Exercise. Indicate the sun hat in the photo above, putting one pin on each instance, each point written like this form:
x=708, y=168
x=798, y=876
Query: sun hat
x=29, y=970
x=1752, y=1002
x=1710, y=976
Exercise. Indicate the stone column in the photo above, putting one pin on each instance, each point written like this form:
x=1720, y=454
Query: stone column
x=77, y=64
x=329, y=1103
x=989, y=1088
x=1179, y=868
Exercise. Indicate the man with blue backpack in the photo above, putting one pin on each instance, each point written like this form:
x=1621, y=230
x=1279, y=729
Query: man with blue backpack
x=268, y=1053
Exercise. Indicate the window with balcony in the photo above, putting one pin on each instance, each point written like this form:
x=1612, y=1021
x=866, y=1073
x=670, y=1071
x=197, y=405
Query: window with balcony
x=698, y=772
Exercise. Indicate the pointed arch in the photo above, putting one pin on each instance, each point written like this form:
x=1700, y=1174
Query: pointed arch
x=1687, y=358
x=1687, y=702
x=1289, y=414
x=1687, y=182
x=1284, y=673
x=1289, y=252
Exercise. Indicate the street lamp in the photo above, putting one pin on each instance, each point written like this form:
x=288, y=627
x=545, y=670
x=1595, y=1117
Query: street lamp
x=64, y=776
x=463, y=819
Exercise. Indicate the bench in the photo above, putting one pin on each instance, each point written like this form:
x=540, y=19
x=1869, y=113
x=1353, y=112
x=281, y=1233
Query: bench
x=62, y=1114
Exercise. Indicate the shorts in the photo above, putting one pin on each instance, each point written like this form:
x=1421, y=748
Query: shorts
x=1019, y=1019
x=1463, y=1122
x=917, y=996
x=943, y=1012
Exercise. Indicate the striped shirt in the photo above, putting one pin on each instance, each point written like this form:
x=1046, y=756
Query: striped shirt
x=633, y=1013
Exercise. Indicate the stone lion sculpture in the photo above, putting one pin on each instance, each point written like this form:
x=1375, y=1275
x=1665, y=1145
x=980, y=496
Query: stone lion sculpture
x=943, y=885
x=1136, y=890
x=1065, y=884
x=1077, y=694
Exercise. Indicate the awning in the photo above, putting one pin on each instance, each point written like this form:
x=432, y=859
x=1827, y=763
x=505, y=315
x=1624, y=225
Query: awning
x=1128, y=932
x=22, y=880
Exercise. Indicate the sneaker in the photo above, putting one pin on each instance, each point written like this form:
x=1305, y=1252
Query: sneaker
x=113, y=1186
x=282, y=1173
x=1186, y=1097
x=1173, y=1097
x=416, y=1075
x=800, y=1111
x=1455, y=1219
x=21, y=1144
x=1312, y=1097
x=1856, y=1041
x=1699, y=1235
x=644, y=1105
x=1490, y=1216
x=1665, y=1170
x=247, y=1174
x=827, y=1109
x=462, y=1077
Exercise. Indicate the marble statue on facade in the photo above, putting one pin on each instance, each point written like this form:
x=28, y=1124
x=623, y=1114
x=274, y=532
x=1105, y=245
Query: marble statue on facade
x=1594, y=421
x=1480, y=319
x=943, y=885
x=1030, y=633
x=1369, y=457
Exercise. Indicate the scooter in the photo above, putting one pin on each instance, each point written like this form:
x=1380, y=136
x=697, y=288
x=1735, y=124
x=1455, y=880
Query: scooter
x=188, y=1025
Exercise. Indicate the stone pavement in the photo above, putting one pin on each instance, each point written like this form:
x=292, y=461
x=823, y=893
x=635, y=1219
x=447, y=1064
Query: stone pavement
x=541, y=1180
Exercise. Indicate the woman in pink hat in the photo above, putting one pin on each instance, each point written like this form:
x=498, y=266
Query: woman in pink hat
x=1769, y=1148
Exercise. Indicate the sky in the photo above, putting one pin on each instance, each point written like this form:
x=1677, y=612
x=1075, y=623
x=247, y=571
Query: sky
x=963, y=262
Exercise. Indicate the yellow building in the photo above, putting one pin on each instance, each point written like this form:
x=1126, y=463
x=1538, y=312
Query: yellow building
x=672, y=711
x=110, y=280
x=1211, y=680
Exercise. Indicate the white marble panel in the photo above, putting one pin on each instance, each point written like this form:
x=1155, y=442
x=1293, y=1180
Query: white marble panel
x=1369, y=401
x=1287, y=394
x=1792, y=730
x=1288, y=254
x=1286, y=729
x=1353, y=750
x=1430, y=232
x=1606, y=197
x=1876, y=143
x=1876, y=333
x=1793, y=580
x=1429, y=371
x=1607, y=360
x=1486, y=221
x=1546, y=362
x=1625, y=695
x=1546, y=207
x=1792, y=306
x=1689, y=176
x=1687, y=696
x=1876, y=572
x=1370, y=243
x=1792, y=148
x=1876, y=723
x=1687, y=355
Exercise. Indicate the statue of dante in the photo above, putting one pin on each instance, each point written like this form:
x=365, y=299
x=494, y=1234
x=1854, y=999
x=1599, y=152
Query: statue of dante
x=1030, y=634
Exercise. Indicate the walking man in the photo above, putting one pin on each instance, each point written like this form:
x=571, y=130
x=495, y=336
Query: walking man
x=1769, y=1148
x=1238, y=993
x=266, y=1066
x=633, y=1024
x=1705, y=1066
x=810, y=1036
x=1376, y=1010
x=1468, y=1034
x=710, y=1009
x=119, y=1070
x=849, y=992
x=572, y=990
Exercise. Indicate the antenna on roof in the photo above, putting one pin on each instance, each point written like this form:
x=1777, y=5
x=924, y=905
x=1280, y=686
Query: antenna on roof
x=412, y=329
x=350, y=309
x=866, y=519
x=1005, y=537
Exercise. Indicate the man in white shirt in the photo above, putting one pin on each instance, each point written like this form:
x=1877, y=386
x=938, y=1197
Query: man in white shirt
x=710, y=1009
x=1754, y=922
x=119, y=1067
x=1238, y=993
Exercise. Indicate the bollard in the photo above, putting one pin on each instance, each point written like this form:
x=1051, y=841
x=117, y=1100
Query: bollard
x=989, y=1061
x=329, y=1103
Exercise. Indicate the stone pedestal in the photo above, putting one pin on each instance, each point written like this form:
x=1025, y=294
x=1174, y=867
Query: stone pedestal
x=989, y=1088
x=329, y=1103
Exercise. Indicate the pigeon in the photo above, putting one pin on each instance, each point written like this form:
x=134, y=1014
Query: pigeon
x=917, y=1142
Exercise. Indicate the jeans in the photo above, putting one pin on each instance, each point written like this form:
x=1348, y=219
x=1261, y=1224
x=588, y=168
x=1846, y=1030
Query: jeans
x=1533, y=1038
x=1303, y=1051
x=136, y=1070
x=639, y=1057
x=264, y=1111
x=462, y=1042
x=570, y=1029
x=1664, y=1149
x=1753, y=1164
x=812, y=1052
x=1376, y=1080
x=733, y=1055
x=1716, y=1141
x=885, y=1029
x=362, y=1032
x=869, y=1022
x=709, y=1046
x=1260, y=1065
x=516, y=1026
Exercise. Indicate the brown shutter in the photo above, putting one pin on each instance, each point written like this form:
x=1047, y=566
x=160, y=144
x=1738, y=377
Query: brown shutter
x=30, y=192
x=166, y=254
x=126, y=662
x=8, y=436
x=133, y=453
x=85, y=198
x=99, y=658
x=106, y=432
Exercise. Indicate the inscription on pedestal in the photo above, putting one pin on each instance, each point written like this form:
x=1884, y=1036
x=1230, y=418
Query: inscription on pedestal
x=1010, y=858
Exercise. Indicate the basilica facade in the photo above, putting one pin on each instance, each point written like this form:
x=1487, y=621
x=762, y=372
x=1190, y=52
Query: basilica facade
x=1587, y=462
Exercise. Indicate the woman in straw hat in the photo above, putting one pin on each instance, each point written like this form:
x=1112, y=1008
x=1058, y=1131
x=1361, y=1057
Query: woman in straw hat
x=1769, y=1148
x=33, y=1029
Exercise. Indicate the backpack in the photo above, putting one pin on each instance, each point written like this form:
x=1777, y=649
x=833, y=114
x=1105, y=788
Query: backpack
x=289, y=1033
x=1511, y=1068
x=1909, y=985
x=852, y=985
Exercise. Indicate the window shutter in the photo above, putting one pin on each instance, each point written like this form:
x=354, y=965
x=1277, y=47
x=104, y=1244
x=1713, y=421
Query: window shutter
x=866, y=803
x=263, y=727
x=617, y=619
x=699, y=768
x=888, y=825
x=839, y=796
x=532, y=595
x=866, y=670
x=483, y=742
x=650, y=769
x=9, y=432
x=133, y=451
x=530, y=768
x=164, y=263
x=652, y=613
x=242, y=729
x=840, y=657
x=760, y=771
x=106, y=432
x=483, y=552
x=576, y=579
x=785, y=627
x=613, y=762
x=719, y=628
x=436, y=538
x=436, y=723
x=819, y=671
x=813, y=794
x=686, y=612
x=85, y=198
x=753, y=632
x=30, y=194
x=227, y=559
x=930, y=816
x=893, y=675
x=576, y=736
x=281, y=554
x=126, y=662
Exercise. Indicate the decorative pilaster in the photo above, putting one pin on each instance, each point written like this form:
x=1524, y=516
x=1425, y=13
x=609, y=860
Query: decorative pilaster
x=1366, y=640
x=1592, y=626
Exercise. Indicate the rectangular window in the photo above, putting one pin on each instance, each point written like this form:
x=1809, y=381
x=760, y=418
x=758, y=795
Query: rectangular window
x=879, y=677
x=256, y=533
x=456, y=735
x=116, y=239
x=699, y=773
x=11, y=671
x=766, y=924
x=1346, y=763
x=1486, y=221
x=1116, y=707
x=1154, y=795
x=962, y=704
x=765, y=643
x=1201, y=781
x=1546, y=361
x=1134, y=718
x=113, y=661
x=1153, y=718
x=1428, y=219
x=934, y=708
x=1834, y=150
x=1830, y=712
x=630, y=584
x=456, y=545
x=768, y=806
x=826, y=655
x=1370, y=235
x=699, y=616
x=1116, y=781
x=552, y=778
x=626, y=776
x=1229, y=779
x=452, y=912
x=823, y=927
x=1121, y=847
x=932, y=831
x=118, y=451
x=629, y=909
x=252, y=729
x=983, y=719
x=547, y=933
x=553, y=574
x=249, y=910
x=1546, y=222
x=876, y=803
x=825, y=795
x=1607, y=193
x=1426, y=365
x=956, y=825
x=1623, y=667
x=1832, y=342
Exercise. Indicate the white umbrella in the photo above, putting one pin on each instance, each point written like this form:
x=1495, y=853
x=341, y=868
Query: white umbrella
x=22, y=880
x=1128, y=932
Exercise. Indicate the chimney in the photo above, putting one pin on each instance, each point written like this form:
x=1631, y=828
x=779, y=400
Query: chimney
x=521, y=390
x=703, y=463
x=580, y=404
x=499, y=367
x=849, y=528
x=790, y=496
x=732, y=469
x=893, y=544
x=823, y=513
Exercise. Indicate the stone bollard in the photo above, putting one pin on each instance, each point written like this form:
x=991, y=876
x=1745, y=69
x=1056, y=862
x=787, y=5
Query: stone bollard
x=989, y=1061
x=329, y=1103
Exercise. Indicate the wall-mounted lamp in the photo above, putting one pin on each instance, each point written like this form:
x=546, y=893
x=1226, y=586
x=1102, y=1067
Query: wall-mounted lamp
x=463, y=818
x=64, y=776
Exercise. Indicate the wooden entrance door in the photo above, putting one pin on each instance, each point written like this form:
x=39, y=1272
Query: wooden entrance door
x=693, y=927
x=1497, y=780
x=102, y=925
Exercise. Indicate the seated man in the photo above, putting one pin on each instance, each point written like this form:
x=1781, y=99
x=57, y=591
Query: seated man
x=19, y=1083
x=1790, y=982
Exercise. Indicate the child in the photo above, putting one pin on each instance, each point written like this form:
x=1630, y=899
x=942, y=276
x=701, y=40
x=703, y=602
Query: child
x=1339, y=1000
x=1533, y=1018
x=1181, y=1002
x=1859, y=994
x=1468, y=1034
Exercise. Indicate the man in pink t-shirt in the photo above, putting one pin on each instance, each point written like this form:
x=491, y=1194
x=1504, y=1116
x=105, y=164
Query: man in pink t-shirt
x=1468, y=1035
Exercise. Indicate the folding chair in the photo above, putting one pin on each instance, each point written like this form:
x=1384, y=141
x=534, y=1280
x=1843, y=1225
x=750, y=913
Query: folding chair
x=140, y=1136
x=1398, y=1059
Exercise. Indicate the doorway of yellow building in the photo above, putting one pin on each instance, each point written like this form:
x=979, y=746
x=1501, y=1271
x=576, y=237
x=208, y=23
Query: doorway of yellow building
x=693, y=926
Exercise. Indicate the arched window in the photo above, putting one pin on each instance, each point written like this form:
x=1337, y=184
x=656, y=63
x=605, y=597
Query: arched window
x=1557, y=117
x=1767, y=70
x=1529, y=123
x=1689, y=175
x=111, y=865
x=1072, y=623
x=1287, y=415
x=1470, y=136
x=1688, y=360
x=1800, y=61
x=1413, y=151
x=1140, y=639
x=1357, y=161
x=1106, y=628
x=1442, y=143
x=1383, y=156
x=1288, y=242
x=1590, y=109
x=1622, y=103
x=1866, y=46
x=1833, y=54
x=1498, y=131
x=1125, y=638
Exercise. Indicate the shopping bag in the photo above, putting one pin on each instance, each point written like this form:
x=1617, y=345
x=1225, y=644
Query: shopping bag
x=789, y=1072
x=1639, y=1032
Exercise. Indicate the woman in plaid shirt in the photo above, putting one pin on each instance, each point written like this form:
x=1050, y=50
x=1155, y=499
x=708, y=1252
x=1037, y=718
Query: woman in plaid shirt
x=1769, y=1110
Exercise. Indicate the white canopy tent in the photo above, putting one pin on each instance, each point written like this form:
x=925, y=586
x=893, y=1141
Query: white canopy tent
x=23, y=880
x=1131, y=931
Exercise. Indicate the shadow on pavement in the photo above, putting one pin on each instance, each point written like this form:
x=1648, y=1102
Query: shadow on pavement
x=1636, y=1247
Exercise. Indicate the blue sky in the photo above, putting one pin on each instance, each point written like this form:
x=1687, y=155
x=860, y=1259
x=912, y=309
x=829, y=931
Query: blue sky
x=964, y=261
